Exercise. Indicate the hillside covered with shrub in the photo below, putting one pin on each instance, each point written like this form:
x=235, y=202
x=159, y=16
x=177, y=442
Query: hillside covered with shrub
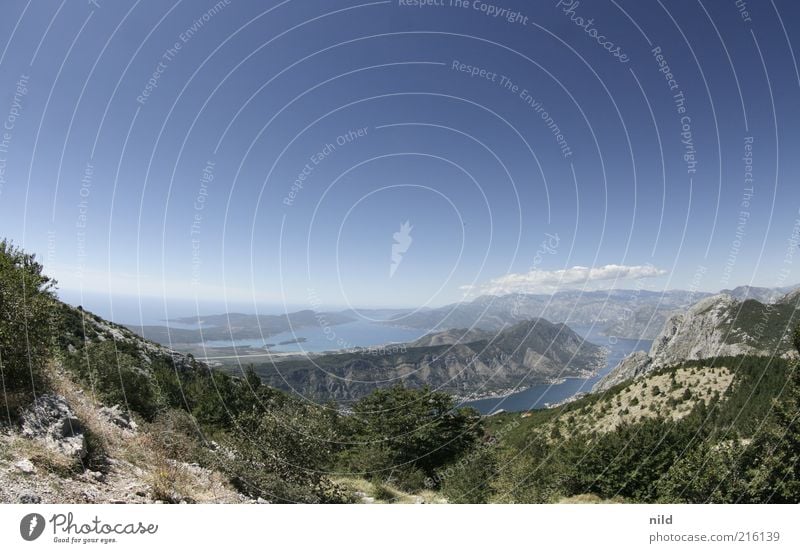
x=93, y=413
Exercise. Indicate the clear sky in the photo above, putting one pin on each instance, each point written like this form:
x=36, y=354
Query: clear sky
x=274, y=151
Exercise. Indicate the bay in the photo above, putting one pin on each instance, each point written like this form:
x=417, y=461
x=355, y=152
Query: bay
x=538, y=397
x=315, y=339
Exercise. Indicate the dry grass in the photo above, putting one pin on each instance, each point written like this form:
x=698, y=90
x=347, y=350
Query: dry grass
x=385, y=493
x=589, y=498
x=86, y=410
x=144, y=453
x=16, y=448
x=169, y=481
x=671, y=395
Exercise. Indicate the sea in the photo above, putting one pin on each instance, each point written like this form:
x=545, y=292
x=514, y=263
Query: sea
x=317, y=338
x=538, y=397
x=360, y=333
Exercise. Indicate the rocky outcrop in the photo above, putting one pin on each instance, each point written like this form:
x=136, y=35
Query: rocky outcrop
x=82, y=326
x=635, y=364
x=702, y=331
x=718, y=326
x=51, y=421
x=763, y=295
x=119, y=418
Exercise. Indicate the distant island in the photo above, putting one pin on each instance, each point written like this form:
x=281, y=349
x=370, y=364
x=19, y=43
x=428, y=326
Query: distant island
x=295, y=341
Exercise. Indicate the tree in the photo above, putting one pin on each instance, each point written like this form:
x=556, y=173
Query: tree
x=399, y=431
x=765, y=470
x=282, y=454
x=26, y=304
x=469, y=479
x=533, y=474
x=708, y=473
x=776, y=477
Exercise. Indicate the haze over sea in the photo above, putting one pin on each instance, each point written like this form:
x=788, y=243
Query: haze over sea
x=146, y=310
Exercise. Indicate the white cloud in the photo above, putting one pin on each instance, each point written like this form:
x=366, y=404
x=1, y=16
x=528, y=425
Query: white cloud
x=538, y=281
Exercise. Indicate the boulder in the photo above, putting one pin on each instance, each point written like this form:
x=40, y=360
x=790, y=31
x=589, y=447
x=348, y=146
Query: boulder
x=50, y=419
x=25, y=467
x=119, y=418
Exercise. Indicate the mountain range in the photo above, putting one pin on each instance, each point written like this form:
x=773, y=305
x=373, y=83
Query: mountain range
x=635, y=314
x=465, y=363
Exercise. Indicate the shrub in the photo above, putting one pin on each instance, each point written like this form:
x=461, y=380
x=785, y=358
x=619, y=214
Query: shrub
x=116, y=378
x=27, y=300
x=398, y=431
x=282, y=455
x=469, y=480
x=706, y=474
x=175, y=432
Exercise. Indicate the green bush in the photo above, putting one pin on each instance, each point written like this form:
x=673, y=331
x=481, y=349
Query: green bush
x=709, y=473
x=534, y=474
x=27, y=301
x=469, y=480
x=399, y=431
x=282, y=455
x=116, y=378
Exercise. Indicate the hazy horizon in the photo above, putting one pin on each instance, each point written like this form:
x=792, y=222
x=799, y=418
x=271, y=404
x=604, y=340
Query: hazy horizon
x=145, y=310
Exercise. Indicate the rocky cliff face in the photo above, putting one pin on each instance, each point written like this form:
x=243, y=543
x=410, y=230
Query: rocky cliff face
x=527, y=353
x=635, y=364
x=717, y=326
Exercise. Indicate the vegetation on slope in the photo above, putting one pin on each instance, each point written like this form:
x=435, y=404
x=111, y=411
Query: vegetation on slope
x=269, y=444
x=705, y=445
x=721, y=430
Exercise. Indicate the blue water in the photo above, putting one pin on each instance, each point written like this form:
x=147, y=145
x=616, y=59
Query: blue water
x=343, y=336
x=537, y=397
x=155, y=311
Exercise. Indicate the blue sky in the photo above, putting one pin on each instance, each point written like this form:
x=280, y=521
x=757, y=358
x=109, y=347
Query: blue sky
x=271, y=151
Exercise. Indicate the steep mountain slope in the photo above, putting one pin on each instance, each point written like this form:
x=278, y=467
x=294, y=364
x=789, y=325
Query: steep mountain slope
x=527, y=353
x=69, y=445
x=716, y=326
x=81, y=327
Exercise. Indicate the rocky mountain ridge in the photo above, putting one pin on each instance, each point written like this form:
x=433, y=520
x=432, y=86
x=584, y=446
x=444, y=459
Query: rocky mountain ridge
x=717, y=326
x=466, y=363
x=637, y=314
